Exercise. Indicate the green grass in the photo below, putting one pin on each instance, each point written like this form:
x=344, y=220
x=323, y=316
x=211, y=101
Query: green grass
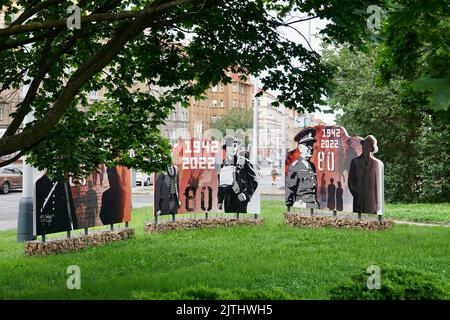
x=429, y=213
x=269, y=261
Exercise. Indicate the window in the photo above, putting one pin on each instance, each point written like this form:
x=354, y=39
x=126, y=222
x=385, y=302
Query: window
x=214, y=89
x=1, y=112
x=235, y=87
x=221, y=103
x=234, y=103
x=213, y=119
x=243, y=89
x=222, y=88
x=214, y=103
x=242, y=104
x=93, y=95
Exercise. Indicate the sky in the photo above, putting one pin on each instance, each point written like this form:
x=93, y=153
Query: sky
x=310, y=29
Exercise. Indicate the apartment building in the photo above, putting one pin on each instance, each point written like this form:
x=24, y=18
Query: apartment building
x=221, y=100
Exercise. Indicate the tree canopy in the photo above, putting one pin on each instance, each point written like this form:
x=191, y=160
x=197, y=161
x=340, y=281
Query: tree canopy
x=415, y=45
x=413, y=142
x=182, y=46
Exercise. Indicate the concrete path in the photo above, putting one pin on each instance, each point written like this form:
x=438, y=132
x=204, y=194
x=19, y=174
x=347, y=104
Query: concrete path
x=421, y=224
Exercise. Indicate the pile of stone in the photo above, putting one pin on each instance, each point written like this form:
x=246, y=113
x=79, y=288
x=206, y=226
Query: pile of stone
x=78, y=242
x=194, y=223
x=304, y=220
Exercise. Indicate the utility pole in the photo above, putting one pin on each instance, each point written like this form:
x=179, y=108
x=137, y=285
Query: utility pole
x=26, y=217
x=255, y=125
x=283, y=145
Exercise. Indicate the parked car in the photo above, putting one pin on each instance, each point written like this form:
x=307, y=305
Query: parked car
x=10, y=178
x=148, y=178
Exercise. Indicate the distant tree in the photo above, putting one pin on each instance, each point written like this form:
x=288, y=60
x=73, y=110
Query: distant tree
x=413, y=142
x=238, y=119
x=238, y=122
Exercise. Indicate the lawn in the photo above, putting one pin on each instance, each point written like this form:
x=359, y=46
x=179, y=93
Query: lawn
x=268, y=261
x=430, y=213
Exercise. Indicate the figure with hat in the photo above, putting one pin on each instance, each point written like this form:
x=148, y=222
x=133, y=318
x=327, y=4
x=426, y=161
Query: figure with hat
x=301, y=181
x=364, y=179
x=237, y=178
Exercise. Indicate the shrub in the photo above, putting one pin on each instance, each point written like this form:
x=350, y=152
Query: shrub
x=204, y=293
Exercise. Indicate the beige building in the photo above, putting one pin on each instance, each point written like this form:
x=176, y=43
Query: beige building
x=176, y=125
x=9, y=101
x=270, y=129
x=221, y=100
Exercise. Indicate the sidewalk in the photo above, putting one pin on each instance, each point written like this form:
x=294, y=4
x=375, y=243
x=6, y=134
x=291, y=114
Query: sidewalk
x=146, y=190
x=421, y=224
x=265, y=184
x=269, y=190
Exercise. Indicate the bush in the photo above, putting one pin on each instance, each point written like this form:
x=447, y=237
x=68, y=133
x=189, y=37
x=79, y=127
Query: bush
x=396, y=284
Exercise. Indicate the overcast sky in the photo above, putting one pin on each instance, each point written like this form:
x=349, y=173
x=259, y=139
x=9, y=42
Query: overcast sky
x=310, y=29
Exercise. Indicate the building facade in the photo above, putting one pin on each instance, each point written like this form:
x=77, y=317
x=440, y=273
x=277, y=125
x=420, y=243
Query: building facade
x=221, y=100
x=176, y=125
x=270, y=129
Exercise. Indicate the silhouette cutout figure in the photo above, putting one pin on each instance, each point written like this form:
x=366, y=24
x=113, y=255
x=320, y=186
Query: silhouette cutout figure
x=339, y=197
x=331, y=203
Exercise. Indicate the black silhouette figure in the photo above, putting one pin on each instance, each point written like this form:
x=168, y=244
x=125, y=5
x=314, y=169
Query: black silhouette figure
x=363, y=178
x=113, y=199
x=339, y=197
x=331, y=204
x=91, y=202
x=323, y=188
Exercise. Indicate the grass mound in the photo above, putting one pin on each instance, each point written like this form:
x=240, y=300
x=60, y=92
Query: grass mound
x=397, y=283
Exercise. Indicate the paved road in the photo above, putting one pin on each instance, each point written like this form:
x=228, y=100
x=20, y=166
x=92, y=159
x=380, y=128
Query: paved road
x=9, y=207
x=9, y=204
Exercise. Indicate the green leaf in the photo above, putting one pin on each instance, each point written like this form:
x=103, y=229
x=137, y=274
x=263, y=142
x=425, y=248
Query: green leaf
x=439, y=97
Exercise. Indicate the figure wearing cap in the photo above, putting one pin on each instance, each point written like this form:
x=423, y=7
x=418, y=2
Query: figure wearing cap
x=237, y=179
x=301, y=181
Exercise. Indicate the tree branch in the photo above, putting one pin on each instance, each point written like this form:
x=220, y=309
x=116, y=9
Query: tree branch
x=41, y=5
x=128, y=30
x=45, y=66
x=122, y=15
x=301, y=34
x=13, y=159
x=300, y=20
x=18, y=155
x=10, y=80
